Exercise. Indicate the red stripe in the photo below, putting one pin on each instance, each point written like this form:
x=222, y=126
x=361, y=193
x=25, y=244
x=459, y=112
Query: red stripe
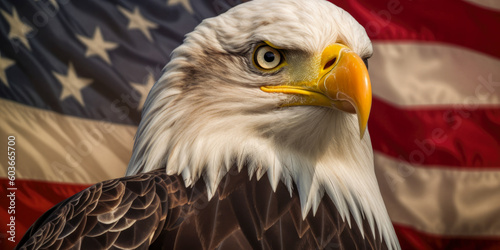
x=454, y=22
x=412, y=239
x=456, y=137
x=32, y=199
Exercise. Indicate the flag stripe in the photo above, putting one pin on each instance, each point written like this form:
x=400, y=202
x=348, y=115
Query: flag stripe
x=54, y=147
x=410, y=238
x=491, y=4
x=413, y=74
x=437, y=200
x=437, y=136
x=70, y=158
x=453, y=22
x=32, y=199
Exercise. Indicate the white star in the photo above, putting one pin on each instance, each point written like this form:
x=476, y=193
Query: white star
x=185, y=3
x=97, y=45
x=137, y=21
x=144, y=89
x=4, y=64
x=72, y=84
x=18, y=29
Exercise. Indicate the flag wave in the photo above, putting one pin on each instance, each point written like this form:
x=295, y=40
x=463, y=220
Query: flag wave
x=74, y=77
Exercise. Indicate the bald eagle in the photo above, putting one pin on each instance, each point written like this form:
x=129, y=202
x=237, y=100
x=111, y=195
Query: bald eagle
x=253, y=138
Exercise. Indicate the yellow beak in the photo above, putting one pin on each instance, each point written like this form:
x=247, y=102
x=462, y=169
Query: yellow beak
x=343, y=83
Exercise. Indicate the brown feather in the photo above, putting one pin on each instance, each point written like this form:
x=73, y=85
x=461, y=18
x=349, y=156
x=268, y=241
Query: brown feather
x=157, y=211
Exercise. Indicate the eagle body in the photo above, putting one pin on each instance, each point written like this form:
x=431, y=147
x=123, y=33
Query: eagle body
x=157, y=211
x=253, y=138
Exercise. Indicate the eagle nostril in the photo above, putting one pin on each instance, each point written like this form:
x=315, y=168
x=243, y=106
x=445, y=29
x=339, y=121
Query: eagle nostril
x=330, y=63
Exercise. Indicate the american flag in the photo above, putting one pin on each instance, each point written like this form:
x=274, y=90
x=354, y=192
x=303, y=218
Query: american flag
x=74, y=76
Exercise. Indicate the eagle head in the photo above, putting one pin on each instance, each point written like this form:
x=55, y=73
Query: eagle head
x=278, y=87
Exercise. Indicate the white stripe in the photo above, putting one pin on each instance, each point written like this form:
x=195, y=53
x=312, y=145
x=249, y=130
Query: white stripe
x=490, y=4
x=424, y=74
x=440, y=200
x=54, y=147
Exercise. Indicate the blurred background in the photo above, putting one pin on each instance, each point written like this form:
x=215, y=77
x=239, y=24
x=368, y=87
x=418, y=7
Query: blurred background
x=74, y=76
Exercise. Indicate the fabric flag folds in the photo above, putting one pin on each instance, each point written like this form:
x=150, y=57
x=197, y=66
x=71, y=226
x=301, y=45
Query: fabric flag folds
x=74, y=76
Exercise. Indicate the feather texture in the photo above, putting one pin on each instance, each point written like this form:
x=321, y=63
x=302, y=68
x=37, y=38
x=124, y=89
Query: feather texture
x=156, y=210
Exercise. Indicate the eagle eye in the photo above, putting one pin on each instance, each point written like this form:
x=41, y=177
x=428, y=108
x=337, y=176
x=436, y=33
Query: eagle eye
x=267, y=57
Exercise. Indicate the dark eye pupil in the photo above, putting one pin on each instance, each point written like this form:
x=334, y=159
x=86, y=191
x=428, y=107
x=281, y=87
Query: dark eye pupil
x=269, y=56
